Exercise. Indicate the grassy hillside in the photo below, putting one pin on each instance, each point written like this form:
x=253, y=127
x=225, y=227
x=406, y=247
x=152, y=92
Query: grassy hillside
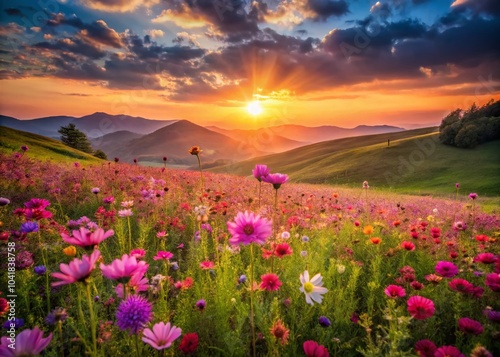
x=41, y=147
x=415, y=162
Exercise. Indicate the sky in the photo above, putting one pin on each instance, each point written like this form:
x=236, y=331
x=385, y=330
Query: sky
x=312, y=62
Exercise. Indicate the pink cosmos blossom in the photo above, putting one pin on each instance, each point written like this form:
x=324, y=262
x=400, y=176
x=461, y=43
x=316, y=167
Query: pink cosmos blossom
x=206, y=265
x=420, y=308
x=394, y=291
x=77, y=270
x=28, y=343
x=448, y=351
x=485, y=258
x=249, y=228
x=275, y=179
x=470, y=326
x=163, y=255
x=313, y=349
x=461, y=286
x=493, y=281
x=124, y=268
x=260, y=171
x=446, y=269
x=137, y=283
x=161, y=335
x=85, y=238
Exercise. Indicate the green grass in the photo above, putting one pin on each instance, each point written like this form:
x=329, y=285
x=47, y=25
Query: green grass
x=415, y=162
x=41, y=147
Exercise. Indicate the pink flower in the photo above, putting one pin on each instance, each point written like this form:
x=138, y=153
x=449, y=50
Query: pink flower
x=161, y=336
x=206, y=265
x=270, y=282
x=461, y=286
x=163, y=255
x=420, y=308
x=485, y=258
x=249, y=228
x=448, y=351
x=275, y=179
x=260, y=171
x=86, y=238
x=138, y=253
x=282, y=249
x=471, y=326
x=408, y=245
x=137, y=284
x=446, y=269
x=123, y=269
x=313, y=349
x=394, y=291
x=76, y=270
x=493, y=281
x=28, y=343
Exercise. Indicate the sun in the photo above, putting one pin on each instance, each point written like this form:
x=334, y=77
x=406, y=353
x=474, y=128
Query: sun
x=254, y=108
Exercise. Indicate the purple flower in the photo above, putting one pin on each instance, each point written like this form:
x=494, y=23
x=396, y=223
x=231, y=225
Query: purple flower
x=59, y=314
x=473, y=196
x=24, y=260
x=276, y=180
x=446, y=269
x=24, y=148
x=40, y=269
x=16, y=324
x=493, y=315
x=29, y=227
x=133, y=314
x=200, y=304
x=28, y=343
x=4, y=201
x=249, y=228
x=242, y=279
x=96, y=190
x=324, y=321
x=260, y=171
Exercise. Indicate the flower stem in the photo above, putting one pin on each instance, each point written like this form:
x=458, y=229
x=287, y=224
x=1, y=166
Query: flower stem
x=252, y=322
x=260, y=190
x=92, y=319
x=129, y=235
x=201, y=173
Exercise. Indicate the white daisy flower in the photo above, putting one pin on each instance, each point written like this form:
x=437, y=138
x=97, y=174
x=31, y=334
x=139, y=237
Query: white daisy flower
x=312, y=288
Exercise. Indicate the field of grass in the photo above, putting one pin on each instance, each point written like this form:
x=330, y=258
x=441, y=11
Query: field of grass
x=43, y=148
x=415, y=162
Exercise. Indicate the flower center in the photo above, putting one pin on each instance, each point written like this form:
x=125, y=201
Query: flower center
x=308, y=287
x=248, y=229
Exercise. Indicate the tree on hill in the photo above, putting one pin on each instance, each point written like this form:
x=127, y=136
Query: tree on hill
x=471, y=127
x=100, y=154
x=74, y=138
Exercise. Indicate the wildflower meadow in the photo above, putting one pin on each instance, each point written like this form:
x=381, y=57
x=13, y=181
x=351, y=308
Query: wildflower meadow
x=117, y=259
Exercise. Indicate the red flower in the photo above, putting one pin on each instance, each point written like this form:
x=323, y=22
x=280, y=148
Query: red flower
x=408, y=245
x=270, y=282
x=425, y=348
x=283, y=249
x=435, y=232
x=4, y=306
x=485, y=258
x=493, y=281
x=189, y=343
x=420, y=308
x=312, y=349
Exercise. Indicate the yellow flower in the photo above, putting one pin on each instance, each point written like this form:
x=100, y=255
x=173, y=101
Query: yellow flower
x=430, y=218
x=70, y=251
x=195, y=150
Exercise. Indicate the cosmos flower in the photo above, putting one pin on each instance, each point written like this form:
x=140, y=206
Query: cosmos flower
x=270, y=282
x=275, y=179
x=260, y=171
x=312, y=288
x=471, y=326
x=162, y=255
x=133, y=314
x=408, y=245
x=207, y=265
x=123, y=269
x=282, y=249
x=313, y=349
x=493, y=281
x=394, y=291
x=249, y=228
x=485, y=258
x=448, y=351
x=420, y=308
x=161, y=335
x=77, y=270
x=85, y=238
x=195, y=150
x=446, y=269
x=125, y=213
x=28, y=343
x=461, y=286
x=473, y=195
x=425, y=348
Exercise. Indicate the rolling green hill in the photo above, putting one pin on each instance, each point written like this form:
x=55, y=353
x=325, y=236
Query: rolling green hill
x=415, y=162
x=41, y=147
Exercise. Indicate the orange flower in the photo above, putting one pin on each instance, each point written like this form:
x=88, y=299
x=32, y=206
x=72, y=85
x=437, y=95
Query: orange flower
x=396, y=223
x=280, y=332
x=368, y=230
x=375, y=240
x=335, y=195
x=70, y=251
x=195, y=150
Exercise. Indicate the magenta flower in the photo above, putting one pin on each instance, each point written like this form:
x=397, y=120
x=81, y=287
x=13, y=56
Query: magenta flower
x=446, y=269
x=77, y=270
x=313, y=349
x=485, y=258
x=473, y=196
x=471, y=326
x=123, y=269
x=448, y=351
x=493, y=281
x=249, y=228
x=394, y=291
x=275, y=179
x=460, y=226
x=260, y=171
x=138, y=253
x=270, y=282
x=163, y=255
x=28, y=343
x=420, y=308
x=137, y=283
x=425, y=348
x=461, y=286
x=161, y=335
x=86, y=238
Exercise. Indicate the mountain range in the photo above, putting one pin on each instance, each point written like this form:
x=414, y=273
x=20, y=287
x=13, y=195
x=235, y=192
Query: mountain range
x=149, y=140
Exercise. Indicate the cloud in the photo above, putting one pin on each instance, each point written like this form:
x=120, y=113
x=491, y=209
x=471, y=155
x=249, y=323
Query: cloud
x=118, y=5
x=323, y=9
x=155, y=33
x=491, y=7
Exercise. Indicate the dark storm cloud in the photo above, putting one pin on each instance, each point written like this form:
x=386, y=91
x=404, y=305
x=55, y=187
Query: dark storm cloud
x=327, y=8
x=13, y=12
x=73, y=45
